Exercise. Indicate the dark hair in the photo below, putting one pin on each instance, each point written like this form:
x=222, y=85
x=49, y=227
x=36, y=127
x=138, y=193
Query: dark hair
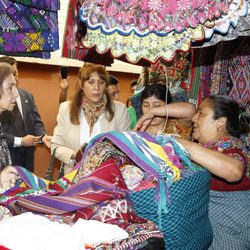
x=224, y=106
x=133, y=83
x=9, y=60
x=76, y=99
x=158, y=90
x=5, y=71
x=112, y=80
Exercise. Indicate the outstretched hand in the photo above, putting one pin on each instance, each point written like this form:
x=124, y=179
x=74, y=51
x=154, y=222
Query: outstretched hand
x=8, y=177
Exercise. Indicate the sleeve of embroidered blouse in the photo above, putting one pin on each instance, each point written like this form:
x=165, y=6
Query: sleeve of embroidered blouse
x=237, y=152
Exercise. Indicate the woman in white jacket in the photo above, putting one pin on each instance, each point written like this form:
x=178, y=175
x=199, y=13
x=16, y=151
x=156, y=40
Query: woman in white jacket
x=89, y=112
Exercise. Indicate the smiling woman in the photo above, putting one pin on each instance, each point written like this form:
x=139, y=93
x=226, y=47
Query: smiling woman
x=88, y=112
x=217, y=128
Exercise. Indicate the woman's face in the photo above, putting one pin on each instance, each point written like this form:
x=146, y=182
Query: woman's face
x=153, y=102
x=94, y=89
x=204, y=126
x=9, y=94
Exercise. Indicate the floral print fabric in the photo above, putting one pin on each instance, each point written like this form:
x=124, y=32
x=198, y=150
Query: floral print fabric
x=151, y=47
x=234, y=148
x=144, y=17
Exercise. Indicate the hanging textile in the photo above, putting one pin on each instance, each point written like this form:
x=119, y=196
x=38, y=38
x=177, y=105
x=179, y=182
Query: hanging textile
x=228, y=27
x=74, y=32
x=231, y=75
x=29, y=27
x=151, y=30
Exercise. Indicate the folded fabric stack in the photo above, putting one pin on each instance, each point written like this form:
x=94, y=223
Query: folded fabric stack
x=130, y=179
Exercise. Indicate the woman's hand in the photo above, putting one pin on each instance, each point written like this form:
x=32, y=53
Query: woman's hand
x=8, y=177
x=144, y=121
x=47, y=140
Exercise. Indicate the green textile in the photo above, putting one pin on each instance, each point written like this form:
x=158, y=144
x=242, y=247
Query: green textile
x=132, y=116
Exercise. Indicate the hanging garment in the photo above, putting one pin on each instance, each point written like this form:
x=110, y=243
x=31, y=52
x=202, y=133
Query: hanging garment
x=149, y=30
x=230, y=75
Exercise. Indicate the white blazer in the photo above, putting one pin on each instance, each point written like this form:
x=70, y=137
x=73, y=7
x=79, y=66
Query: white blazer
x=66, y=136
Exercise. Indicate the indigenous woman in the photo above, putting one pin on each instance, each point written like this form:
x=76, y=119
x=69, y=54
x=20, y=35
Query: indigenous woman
x=8, y=95
x=89, y=112
x=160, y=115
x=217, y=128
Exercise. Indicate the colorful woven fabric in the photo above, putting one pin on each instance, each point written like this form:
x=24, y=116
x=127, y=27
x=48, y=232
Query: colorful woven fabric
x=186, y=224
x=53, y=5
x=238, y=8
x=231, y=74
x=47, y=197
x=229, y=215
x=144, y=17
x=74, y=32
x=151, y=47
x=174, y=126
x=28, y=42
x=232, y=147
x=27, y=29
x=233, y=32
x=141, y=147
x=21, y=18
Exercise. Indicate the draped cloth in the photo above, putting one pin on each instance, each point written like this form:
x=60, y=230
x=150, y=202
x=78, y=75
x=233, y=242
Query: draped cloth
x=65, y=195
x=154, y=30
x=61, y=197
x=74, y=32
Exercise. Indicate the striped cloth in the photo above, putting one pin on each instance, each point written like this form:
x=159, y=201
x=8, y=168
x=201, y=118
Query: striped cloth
x=34, y=194
x=147, y=152
x=229, y=214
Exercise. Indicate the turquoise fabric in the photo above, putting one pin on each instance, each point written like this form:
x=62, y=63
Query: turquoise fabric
x=186, y=224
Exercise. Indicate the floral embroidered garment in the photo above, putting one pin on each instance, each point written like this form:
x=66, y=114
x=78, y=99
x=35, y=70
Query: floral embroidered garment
x=143, y=17
x=233, y=147
x=153, y=30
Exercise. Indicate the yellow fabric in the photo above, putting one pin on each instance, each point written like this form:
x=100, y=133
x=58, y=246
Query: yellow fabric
x=162, y=154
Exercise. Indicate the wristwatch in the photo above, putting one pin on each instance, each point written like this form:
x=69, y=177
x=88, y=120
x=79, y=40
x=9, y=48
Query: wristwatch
x=40, y=141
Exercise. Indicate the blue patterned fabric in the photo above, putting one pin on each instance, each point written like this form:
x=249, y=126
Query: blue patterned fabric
x=186, y=224
x=229, y=214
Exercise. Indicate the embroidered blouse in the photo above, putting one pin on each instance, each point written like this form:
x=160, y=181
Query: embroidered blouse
x=233, y=147
x=174, y=126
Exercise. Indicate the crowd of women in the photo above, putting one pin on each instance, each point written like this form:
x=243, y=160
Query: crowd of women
x=216, y=128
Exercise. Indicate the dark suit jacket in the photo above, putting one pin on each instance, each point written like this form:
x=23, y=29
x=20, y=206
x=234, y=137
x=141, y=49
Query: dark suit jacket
x=23, y=156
